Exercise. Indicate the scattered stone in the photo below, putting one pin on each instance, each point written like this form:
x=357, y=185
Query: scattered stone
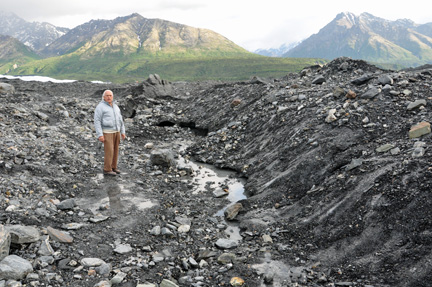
x=236, y=102
x=23, y=234
x=237, y=281
x=385, y=80
x=184, y=228
x=384, y=148
x=103, y=284
x=361, y=80
x=419, y=130
x=226, y=258
x=331, y=116
x=118, y=278
x=66, y=204
x=45, y=248
x=371, y=93
x=149, y=145
x=73, y=226
x=351, y=95
x=419, y=149
x=338, y=92
x=91, y=262
x=123, y=249
x=318, y=80
x=223, y=243
x=355, y=162
x=162, y=157
x=14, y=267
x=232, y=211
x=395, y=151
x=218, y=193
x=104, y=269
x=98, y=218
x=6, y=88
x=5, y=240
x=59, y=236
x=267, y=238
x=168, y=283
x=155, y=230
x=416, y=104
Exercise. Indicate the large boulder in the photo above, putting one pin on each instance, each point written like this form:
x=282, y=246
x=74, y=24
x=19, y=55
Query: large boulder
x=162, y=157
x=14, y=267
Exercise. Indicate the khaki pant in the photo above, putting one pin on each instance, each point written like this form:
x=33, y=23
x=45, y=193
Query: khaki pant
x=111, y=150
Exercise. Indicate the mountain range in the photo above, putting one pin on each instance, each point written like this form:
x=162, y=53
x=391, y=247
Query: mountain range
x=131, y=47
x=401, y=42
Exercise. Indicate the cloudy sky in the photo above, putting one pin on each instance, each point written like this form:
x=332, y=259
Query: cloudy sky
x=250, y=24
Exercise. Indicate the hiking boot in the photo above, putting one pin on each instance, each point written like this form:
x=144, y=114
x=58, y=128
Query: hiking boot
x=116, y=170
x=110, y=173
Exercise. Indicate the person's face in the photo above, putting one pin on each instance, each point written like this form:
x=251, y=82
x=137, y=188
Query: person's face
x=108, y=97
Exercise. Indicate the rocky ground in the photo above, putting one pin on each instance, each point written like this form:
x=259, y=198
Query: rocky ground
x=335, y=164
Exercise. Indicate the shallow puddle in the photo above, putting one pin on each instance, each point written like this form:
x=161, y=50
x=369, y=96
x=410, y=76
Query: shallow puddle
x=209, y=177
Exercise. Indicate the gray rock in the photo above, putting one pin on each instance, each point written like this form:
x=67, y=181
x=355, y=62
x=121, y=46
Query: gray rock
x=118, y=278
x=232, y=211
x=355, y=162
x=23, y=234
x=167, y=283
x=226, y=258
x=361, y=80
x=91, y=262
x=385, y=80
x=162, y=157
x=416, y=104
x=14, y=267
x=103, y=283
x=103, y=269
x=223, y=243
x=123, y=249
x=66, y=204
x=371, y=93
x=156, y=230
x=318, y=80
x=219, y=192
x=5, y=240
x=384, y=148
x=45, y=248
x=6, y=88
x=98, y=218
x=167, y=232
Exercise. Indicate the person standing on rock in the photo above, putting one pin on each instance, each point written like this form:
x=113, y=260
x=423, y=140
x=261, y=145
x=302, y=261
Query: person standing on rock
x=110, y=127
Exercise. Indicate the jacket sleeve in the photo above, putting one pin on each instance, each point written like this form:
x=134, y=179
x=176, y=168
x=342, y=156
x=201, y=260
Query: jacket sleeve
x=122, y=127
x=98, y=121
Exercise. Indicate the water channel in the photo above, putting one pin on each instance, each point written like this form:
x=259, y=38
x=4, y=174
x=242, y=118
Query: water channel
x=120, y=195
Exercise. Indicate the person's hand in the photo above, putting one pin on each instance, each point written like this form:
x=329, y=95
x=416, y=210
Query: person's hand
x=123, y=136
x=101, y=139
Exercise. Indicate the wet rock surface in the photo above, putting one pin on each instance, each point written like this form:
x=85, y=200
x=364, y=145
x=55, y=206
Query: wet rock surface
x=336, y=163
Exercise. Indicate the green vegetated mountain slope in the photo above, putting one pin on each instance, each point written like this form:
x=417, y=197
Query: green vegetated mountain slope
x=129, y=48
x=401, y=43
x=13, y=52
